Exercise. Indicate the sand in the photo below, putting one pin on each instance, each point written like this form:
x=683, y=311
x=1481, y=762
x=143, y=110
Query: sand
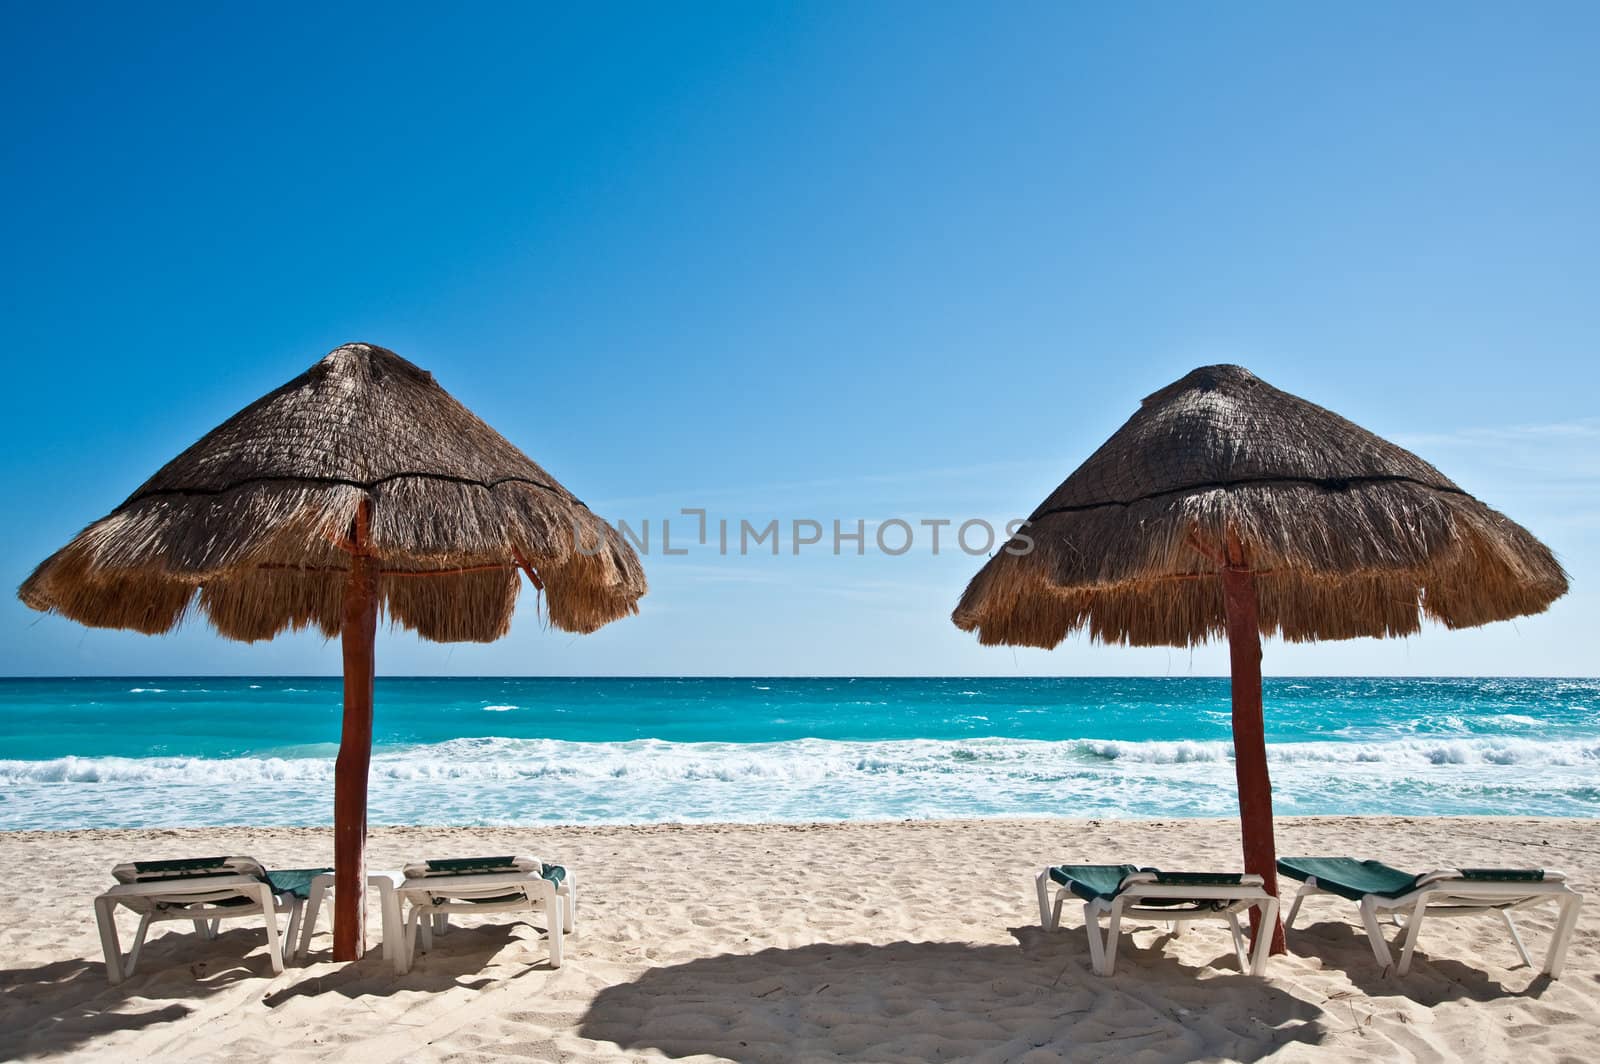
x=871, y=942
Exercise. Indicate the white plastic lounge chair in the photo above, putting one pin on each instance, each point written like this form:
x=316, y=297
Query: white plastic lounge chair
x=432, y=890
x=204, y=891
x=1379, y=889
x=1176, y=897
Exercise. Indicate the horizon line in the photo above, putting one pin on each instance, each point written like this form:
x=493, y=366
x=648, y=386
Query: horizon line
x=794, y=676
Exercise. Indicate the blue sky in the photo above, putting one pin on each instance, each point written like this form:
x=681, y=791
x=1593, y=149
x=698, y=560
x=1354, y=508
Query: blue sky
x=814, y=260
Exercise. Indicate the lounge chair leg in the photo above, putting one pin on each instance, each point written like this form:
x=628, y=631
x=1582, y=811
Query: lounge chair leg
x=1041, y=884
x=1178, y=928
x=1097, y=949
x=1263, y=942
x=297, y=909
x=313, y=912
x=203, y=929
x=408, y=942
x=1380, y=948
x=138, y=944
x=393, y=926
x=569, y=911
x=1565, y=923
x=1409, y=935
x=269, y=914
x=1515, y=937
x=109, y=945
x=1294, y=909
x=1238, y=942
x=1113, y=936
x=441, y=923
x=553, y=918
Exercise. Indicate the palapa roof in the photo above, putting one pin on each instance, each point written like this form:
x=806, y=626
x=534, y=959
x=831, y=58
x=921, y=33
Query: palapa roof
x=1350, y=534
x=248, y=521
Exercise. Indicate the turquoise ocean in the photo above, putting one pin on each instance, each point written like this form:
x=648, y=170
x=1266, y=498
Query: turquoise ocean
x=176, y=751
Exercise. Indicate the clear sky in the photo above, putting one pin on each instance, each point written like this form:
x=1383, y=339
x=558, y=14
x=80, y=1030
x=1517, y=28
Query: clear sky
x=822, y=260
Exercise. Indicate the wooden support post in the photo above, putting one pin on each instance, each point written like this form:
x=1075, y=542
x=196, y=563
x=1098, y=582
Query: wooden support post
x=1249, y=730
x=358, y=630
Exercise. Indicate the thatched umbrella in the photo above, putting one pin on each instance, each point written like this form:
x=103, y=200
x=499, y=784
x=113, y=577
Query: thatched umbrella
x=1227, y=507
x=360, y=486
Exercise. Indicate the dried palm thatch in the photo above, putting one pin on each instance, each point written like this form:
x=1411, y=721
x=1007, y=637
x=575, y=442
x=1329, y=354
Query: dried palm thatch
x=252, y=522
x=1348, y=535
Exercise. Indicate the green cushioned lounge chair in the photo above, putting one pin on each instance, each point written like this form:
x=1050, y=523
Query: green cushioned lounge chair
x=1379, y=889
x=1116, y=891
x=204, y=891
x=432, y=890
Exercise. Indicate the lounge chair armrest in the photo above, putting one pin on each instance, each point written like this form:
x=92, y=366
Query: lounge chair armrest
x=1507, y=876
x=171, y=887
x=456, y=867
x=1219, y=879
x=445, y=885
x=1511, y=875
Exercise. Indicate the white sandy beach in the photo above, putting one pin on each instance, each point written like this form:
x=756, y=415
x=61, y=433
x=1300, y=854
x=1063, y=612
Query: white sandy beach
x=869, y=942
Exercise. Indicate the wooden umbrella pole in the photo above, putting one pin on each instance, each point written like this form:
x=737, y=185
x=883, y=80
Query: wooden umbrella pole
x=1249, y=730
x=358, y=630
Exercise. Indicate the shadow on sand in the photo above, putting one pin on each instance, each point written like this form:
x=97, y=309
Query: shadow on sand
x=57, y=1007
x=458, y=959
x=1434, y=978
x=909, y=1001
x=919, y=1001
x=53, y=1008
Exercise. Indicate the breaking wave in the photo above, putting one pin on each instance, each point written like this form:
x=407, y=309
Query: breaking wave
x=525, y=781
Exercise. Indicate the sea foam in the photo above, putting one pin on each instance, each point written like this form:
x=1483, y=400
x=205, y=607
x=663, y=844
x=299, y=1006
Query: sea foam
x=511, y=781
